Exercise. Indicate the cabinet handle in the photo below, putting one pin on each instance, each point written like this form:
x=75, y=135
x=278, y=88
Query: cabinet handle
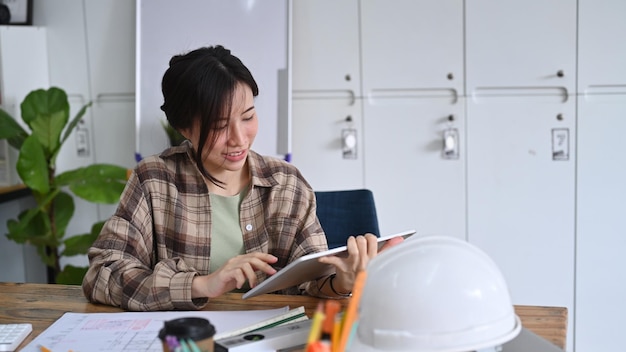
x=349, y=118
x=559, y=117
x=450, y=76
x=560, y=73
x=450, y=117
x=348, y=78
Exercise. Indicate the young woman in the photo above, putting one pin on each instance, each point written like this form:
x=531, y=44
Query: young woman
x=211, y=215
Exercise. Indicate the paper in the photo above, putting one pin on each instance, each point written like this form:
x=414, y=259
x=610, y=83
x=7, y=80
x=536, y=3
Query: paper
x=131, y=331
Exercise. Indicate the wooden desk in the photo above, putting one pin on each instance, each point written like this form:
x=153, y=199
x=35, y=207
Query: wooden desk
x=9, y=193
x=42, y=304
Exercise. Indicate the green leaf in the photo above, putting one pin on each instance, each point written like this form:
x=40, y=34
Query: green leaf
x=41, y=102
x=48, y=259
x=32, y=165
x=32, y=226
x=98, y=183
x=47, y=113
x=11, y=130
x=71, y=275
x=75, y=122
x=63, y=210
x=80, y=244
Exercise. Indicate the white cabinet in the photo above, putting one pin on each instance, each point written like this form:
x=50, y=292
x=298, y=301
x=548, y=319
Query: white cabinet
x=412, y=45
x=601, y=190
x=111, y=52
x=521, y=193
x=601, y=225
x=325, y=46
x=520, y=43
x=415, y=186
x=318, y=130
x=601, y=58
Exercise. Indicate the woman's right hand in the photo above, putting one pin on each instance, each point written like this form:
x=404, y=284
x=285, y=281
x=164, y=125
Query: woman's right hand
x=233, y=274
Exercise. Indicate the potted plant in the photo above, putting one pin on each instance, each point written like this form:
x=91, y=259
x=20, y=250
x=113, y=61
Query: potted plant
x=46, y=113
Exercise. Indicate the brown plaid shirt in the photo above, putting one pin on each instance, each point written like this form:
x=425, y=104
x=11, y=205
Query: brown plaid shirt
x=160, y=235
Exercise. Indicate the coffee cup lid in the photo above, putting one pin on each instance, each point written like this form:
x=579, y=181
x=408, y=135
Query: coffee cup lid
x=187, y=328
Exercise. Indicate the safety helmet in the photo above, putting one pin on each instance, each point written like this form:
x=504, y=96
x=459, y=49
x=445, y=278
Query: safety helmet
x=435, y=294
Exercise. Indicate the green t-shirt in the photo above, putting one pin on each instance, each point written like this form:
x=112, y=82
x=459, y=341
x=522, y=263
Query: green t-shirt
x=226, y=235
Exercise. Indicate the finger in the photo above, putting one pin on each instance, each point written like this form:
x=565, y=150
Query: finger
x=363, y=258
x=392, y=242
x=372, y=245
x=265, y=257
x=256, y=264
x=353, y=249
x=250, y=275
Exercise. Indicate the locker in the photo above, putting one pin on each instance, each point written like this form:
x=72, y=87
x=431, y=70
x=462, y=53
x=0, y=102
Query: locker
x=409, y=44
x=325, y=46
x=319, y=125
x=600, y=57
x=521, y=193
x=520, y=44
x=601, y=226
x=415, y=186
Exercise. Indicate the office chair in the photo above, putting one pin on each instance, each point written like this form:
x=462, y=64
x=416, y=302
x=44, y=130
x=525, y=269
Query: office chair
x=346, y=212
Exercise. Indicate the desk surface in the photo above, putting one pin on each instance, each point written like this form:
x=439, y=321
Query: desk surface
x=8, y=193
x=41, y=305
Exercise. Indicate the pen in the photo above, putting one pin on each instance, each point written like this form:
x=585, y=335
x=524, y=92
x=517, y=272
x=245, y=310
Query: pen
x=350, y=315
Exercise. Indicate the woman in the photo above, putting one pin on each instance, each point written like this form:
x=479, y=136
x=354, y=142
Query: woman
x=211, y=215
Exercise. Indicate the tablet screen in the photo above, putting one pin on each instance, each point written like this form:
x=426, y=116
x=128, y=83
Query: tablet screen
x=307, y=268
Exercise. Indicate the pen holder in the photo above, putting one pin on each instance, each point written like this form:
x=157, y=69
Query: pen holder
x=199, y=330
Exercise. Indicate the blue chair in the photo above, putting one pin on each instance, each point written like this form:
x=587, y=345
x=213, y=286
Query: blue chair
x=345, y=213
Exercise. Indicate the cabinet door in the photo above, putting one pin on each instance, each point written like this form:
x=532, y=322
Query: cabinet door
x=112, y=78
x=601, y=225
x=325, y=45
x=521, y=193
x=408, y=44
x=601, y=57
x=111, y=48
x=520, y=43
x=414, y=185
x=319, y=125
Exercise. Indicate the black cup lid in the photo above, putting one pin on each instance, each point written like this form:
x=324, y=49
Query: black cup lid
x=188, y=328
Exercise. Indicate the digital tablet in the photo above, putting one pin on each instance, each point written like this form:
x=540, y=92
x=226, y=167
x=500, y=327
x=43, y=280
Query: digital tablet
x=307, y=268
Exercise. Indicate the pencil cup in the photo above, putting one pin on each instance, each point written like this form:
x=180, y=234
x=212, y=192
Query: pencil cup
x=199, y=330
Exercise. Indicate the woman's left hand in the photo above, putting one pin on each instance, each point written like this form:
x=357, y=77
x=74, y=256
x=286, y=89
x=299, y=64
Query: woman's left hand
x=361, y=249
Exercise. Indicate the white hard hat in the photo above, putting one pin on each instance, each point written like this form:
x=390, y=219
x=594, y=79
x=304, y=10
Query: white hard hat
x=436, y=294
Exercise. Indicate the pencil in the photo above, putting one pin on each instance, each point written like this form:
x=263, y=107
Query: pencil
x=316, y=325
x=44, y=349
x=352, y=310
x=331, y=308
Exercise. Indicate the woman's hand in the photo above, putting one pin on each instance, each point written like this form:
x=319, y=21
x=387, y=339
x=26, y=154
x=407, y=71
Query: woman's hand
x=361, y=249
x=233, y=274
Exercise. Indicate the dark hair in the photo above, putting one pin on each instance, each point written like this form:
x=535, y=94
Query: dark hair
x=200, y=85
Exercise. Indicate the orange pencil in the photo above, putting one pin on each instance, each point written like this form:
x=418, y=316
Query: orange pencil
x=331, y=308
x=352, y=310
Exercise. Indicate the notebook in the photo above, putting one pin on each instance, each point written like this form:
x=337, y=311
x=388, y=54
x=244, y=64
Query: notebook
x=307, y=268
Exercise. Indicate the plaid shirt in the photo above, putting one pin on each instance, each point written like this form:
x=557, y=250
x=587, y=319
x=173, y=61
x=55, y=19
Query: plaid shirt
x=159, y=238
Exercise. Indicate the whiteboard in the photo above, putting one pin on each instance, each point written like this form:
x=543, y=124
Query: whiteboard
x=256, y=31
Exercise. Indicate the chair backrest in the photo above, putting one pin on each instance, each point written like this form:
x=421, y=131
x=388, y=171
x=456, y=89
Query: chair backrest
x=345, y=213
